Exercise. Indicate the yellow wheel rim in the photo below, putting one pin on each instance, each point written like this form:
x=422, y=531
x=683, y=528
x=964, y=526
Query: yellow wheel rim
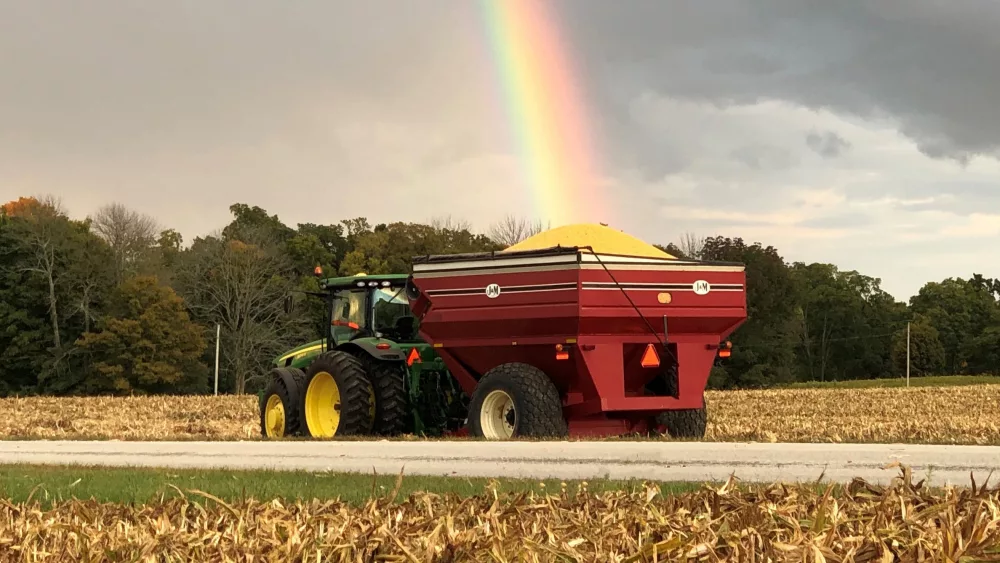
x=274, y=417
x=323, y=406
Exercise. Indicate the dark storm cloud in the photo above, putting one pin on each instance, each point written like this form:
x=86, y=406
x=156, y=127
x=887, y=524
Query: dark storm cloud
x=932, y=67
x=764, y=157
x=827, y=145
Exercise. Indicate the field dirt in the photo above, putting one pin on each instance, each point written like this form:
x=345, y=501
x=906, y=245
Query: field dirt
x=861, y=522
x=942, y=415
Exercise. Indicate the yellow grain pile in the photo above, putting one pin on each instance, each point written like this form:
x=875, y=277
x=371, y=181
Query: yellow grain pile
x=774, y=523
x=603, y=239
x=949, y=415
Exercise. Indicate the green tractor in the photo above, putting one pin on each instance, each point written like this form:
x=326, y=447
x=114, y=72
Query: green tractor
x=370, y=374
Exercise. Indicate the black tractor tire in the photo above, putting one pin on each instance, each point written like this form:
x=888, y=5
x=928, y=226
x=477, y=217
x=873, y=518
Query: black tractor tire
x=392, y=405
x=287, y=384
x=685, y=424
x=537, y=406
x=356, y=395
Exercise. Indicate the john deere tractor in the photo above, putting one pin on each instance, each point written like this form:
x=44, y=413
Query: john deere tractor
x=370, y=374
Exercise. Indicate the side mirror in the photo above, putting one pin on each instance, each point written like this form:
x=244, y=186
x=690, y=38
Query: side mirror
x=412, y=291
x=289, y=303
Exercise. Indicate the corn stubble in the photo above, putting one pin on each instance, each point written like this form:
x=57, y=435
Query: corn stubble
x=864, y=522
x=949, y=415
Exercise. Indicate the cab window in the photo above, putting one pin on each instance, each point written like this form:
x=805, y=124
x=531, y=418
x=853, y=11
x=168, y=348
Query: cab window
x=348, y=314
x=392, y=315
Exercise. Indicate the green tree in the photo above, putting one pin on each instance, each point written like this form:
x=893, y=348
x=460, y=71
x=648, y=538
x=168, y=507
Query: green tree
x=322, y=245
x=763, y=346
x=391, y=248
x=25, y=331
x=961, y=312
x=250, y=221
x=845, y=321
x=240, y=285
x=54, y=270
x=927, y=354
x=146, y=343
x=983, y=352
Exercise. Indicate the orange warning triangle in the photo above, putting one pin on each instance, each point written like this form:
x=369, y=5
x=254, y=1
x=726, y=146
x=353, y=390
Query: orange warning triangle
x=413, y=357
x=650, y=359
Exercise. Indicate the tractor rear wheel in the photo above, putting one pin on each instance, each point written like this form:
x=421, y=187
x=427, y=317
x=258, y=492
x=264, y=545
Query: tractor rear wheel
x=684, y=424
x=338, y=399
x=280, y=412
x=516, y=400
x=391, y=404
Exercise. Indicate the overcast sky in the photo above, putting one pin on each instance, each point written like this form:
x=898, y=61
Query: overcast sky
x=859, y=133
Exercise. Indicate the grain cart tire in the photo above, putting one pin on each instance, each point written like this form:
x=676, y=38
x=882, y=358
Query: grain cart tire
x=391, y=404
x=685, y=424
x=516, y=400
x=338, y=399
x=280, y=409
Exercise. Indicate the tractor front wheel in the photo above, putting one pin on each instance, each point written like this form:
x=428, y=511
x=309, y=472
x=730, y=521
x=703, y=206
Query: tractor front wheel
x=516, y=400
x=338, y=399
x=280, y=413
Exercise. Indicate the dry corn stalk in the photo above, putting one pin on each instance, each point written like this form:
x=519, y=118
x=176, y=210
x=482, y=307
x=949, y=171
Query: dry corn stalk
x=729, y=523
x=958, y=415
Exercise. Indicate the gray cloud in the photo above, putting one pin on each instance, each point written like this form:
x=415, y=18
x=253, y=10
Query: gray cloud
x=827, y=145
x=764, y=157
x=320, y=111
x=838, y=220
x=928, y=66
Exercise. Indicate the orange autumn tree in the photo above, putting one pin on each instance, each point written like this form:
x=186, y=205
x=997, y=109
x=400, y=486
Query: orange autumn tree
x=21, y=207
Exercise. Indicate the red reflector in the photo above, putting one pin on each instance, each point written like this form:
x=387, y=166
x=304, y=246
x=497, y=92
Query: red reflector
x=382, y=346
x=650, y=359
x=724, y=353
x=562, y=355
x=413, y=357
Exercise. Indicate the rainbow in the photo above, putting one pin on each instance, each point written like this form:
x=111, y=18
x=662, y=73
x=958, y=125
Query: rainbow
x=546, y=111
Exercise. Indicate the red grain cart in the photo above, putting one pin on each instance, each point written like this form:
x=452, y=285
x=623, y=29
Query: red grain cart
x=565, y=341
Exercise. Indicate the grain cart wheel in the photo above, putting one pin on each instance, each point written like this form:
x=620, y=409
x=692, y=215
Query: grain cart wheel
x=514, y=400
x=338, y=398
x=688, y=423
x=391, y=405
x=280, y=412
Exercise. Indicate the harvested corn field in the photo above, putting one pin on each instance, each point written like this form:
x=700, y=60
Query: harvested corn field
x=131, y=418
x=937, y=415
x=860, y=522
x=943, y=415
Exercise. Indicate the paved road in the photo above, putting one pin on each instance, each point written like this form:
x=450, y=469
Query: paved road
x=566, y=460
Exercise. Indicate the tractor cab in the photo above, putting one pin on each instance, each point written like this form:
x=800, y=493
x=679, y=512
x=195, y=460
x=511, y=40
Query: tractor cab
x=370, y=307
x=370, y=371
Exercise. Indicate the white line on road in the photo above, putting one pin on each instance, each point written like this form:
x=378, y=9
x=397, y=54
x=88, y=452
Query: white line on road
x=662, y=461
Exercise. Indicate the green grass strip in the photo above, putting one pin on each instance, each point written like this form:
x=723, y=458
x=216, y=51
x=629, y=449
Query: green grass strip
x=51, y=484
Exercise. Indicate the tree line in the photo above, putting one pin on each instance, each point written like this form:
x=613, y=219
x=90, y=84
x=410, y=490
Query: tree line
x=115, y=303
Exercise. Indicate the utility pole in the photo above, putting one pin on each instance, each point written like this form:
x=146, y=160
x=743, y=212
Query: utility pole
x=907, y=353
x=218, y=333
